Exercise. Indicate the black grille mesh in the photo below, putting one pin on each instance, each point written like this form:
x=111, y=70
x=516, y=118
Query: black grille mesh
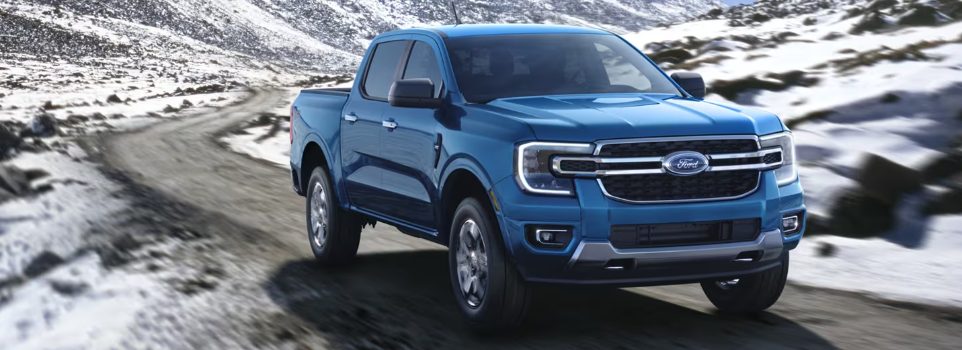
x=662, y=187
x=579, y=165
x=659, y=149
x=685, y=233
x=772, y=158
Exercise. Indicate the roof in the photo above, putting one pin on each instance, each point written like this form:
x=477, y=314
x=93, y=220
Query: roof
x=462, y=30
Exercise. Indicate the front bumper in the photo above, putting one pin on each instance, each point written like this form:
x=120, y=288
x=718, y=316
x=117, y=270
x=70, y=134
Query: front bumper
x=591, y=259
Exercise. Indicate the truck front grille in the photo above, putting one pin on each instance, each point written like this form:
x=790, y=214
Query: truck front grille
x=687, y=233
x=664, y=148
x=709, y=185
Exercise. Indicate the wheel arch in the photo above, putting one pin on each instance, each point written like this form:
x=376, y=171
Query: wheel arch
x=316, y=153
x=464, y=177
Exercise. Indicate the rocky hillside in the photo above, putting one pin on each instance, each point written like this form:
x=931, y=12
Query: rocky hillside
x=326, y=34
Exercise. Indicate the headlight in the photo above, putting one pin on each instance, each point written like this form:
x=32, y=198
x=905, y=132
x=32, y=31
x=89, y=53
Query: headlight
x=532, y=167
x=786, y=174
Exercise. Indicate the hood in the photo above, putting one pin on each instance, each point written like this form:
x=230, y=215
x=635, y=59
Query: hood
x=592, y=117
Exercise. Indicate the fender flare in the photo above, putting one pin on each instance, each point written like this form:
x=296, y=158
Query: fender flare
x=464, y=162
x=313, y=137
x=468, y=163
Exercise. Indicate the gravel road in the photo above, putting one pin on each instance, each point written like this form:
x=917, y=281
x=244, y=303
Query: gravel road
x=398, y=295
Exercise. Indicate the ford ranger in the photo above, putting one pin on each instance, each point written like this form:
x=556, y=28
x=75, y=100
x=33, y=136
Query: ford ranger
x=552, y=155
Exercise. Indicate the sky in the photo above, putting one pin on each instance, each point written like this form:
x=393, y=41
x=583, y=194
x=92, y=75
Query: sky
x=736, y=2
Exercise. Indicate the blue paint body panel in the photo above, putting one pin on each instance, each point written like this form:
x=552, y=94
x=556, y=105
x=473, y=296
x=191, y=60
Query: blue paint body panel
x=400, y=175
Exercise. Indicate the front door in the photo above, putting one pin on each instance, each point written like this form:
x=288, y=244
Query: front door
x=408, y=144
x=361, y=127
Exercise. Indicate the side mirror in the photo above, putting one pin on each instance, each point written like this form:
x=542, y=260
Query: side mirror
x=693, y=84
x=413, y=93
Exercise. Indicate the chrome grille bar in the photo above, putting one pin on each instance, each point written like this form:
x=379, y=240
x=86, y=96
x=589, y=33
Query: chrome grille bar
x=556, y=163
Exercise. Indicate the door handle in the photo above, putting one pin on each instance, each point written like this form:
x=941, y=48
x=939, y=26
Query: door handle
x=350, y=117
x=389, y=124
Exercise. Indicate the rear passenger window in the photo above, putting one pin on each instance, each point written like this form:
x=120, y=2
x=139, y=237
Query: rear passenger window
x=380, y=72
x=424, y=64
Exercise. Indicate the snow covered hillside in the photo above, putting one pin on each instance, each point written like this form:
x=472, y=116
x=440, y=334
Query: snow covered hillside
x=328, y=34
x=851, y=78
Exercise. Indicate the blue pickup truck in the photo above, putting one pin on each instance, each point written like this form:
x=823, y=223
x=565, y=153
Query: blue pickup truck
x=548, y=154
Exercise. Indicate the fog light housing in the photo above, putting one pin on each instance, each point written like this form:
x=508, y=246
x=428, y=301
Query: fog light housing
x=792, y=223
x=548, y=237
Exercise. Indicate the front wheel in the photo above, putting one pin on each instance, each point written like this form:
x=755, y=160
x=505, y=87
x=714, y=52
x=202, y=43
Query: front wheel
x=749, y=294
x=489, y=290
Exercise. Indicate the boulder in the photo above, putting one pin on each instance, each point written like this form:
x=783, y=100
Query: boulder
x=186, y=104
x=42, y=125
x=76, y=119
x=671, y=56
x=8, y=141
x=810, y=21
x=952, y=9
x=14, y=180
x=759, y=17
x=35, y=174
x=785, y=35
x=69, y=288
x=826, y=249
x=49, y=106
x=890, y=98
x=878, y=5
x=748, y=39
x=886, y=180
x=730, y=89
x=923, y=15
x=43, y=263
x=113, y=99
x=833, y=36
x=872, y=22
x=943, y=167
x=858, y=215
x=946, y=203
x=853, y=12
x=794, y=78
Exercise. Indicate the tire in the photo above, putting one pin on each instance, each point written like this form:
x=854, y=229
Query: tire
x=501, y=298
x=335, y=233
x=751, y=294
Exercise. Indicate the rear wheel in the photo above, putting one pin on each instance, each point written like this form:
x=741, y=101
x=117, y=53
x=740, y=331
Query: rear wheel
x=749, y=294
x=489, y=290
x=334, y=233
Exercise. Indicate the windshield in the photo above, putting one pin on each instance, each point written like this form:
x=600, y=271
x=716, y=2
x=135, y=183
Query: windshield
x=500, y=66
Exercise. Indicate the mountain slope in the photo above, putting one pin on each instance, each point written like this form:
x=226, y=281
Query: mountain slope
x=309, y=32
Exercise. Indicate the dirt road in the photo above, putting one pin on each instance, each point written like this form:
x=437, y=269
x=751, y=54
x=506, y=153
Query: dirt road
x=398, y=295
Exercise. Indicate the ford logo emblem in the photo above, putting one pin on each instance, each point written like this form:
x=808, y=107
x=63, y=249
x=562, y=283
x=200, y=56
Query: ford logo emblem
x=685, y=163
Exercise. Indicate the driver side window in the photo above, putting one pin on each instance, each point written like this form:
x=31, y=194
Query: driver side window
x=423, y=63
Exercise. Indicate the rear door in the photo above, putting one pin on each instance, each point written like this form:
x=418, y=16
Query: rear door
x=361, y=126
x=409, y=141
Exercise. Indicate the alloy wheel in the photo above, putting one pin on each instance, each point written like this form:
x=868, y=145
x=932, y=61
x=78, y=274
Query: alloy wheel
x=472, y=260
